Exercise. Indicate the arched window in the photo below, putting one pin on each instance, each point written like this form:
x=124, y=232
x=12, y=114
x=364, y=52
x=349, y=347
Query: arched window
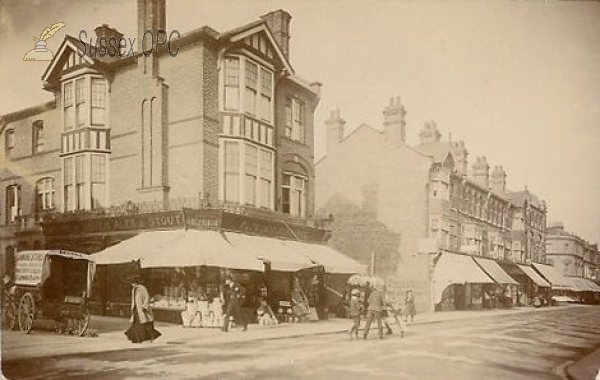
x=45, y=194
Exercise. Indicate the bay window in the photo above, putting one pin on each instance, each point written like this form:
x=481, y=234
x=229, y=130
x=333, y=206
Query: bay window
x=85, y=182
x=257, y=84
x=251, y=90
x=98, y=101
x=84, y=102
x=232, y=177
x=251, y=174
x=79, y=201
x=232, y=84
x=68, y=108
x=69, y=194
x=98, y=181
x=247, y=174
x=266, y=179
x=80, y=102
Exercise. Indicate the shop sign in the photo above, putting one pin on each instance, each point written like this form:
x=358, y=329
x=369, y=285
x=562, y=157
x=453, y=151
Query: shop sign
x=137, y=222
x=272, y=228
x=28, y=267
x=185, y=218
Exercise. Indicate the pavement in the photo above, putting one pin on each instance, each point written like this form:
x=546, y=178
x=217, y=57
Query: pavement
x=587, y=368
x=112, y=328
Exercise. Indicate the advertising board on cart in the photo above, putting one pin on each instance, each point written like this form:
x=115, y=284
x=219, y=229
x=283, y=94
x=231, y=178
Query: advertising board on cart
x=28, y=267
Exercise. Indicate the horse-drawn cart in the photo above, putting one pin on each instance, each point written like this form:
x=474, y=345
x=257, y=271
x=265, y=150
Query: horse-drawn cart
x=53, y=284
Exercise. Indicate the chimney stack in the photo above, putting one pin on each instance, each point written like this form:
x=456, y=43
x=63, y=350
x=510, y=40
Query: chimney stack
x=481, y=172
x=279, y=23
x=151, y=16
x=394, y=121
x=498, y=180
x=429, y=134
x=460, y=155
x=335, y=130
x=107, y=32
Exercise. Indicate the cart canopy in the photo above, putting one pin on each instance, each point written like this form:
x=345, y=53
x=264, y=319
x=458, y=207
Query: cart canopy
x=32, y=267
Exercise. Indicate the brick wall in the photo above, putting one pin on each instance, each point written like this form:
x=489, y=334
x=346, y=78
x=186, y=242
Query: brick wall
x=291, y=152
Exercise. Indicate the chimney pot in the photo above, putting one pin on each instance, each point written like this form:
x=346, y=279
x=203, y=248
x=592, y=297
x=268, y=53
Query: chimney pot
x=394, y=122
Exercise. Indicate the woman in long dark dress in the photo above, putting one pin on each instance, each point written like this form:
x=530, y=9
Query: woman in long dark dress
x=142, y=322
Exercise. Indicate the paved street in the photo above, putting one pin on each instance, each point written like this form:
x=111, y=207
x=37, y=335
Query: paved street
x=530, y=345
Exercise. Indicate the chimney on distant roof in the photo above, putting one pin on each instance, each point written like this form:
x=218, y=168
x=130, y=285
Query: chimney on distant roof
x=460, y=155
x=429, y=134
x=279, y=23
x=481, y=172
x=498, y=180
x=107, y=32
x=335, y=130
x=394, y=122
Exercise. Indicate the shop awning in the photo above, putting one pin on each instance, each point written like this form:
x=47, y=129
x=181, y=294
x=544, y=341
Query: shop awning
x=515, y=272
x=332, y=260
x=201, y=248
x=281, y=256
x=554, y=277
x=495, y=271
x=593, y=285
x=584, y=285
x=456, y=269
x=145, y=244
x=178, y=248
x=534, y=276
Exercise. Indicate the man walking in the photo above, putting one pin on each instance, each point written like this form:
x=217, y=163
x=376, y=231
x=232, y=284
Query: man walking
x=234, y=301
x=376, y=305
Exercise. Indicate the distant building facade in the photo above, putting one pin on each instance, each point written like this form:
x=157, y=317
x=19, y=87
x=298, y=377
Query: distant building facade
x=572, y=255
x=423, y=203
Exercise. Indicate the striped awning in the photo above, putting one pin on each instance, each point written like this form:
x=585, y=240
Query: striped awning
x=495, y=271
x=534, y=276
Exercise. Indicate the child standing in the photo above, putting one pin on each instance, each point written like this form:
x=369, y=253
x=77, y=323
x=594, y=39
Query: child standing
x=355, y=312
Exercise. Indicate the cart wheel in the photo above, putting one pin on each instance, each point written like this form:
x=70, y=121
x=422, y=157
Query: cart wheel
x=83, y=322
x=10, y=316
x=26, y=313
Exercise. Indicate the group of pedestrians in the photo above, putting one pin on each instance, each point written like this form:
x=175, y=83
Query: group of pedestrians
x=379, y=309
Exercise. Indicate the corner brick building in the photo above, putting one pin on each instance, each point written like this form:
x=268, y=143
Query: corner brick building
x=226, y=124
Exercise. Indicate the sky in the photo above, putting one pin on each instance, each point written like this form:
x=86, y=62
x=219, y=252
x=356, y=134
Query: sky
x=517, y=81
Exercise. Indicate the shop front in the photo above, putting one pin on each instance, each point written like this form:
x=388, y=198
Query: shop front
x=504, y=292
x=539, y=291
x=188, y=252
x=458, y=283
x=562, y=288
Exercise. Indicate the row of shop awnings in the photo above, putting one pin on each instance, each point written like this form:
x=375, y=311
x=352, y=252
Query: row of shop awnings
x=183, y=248
x=461, y=269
